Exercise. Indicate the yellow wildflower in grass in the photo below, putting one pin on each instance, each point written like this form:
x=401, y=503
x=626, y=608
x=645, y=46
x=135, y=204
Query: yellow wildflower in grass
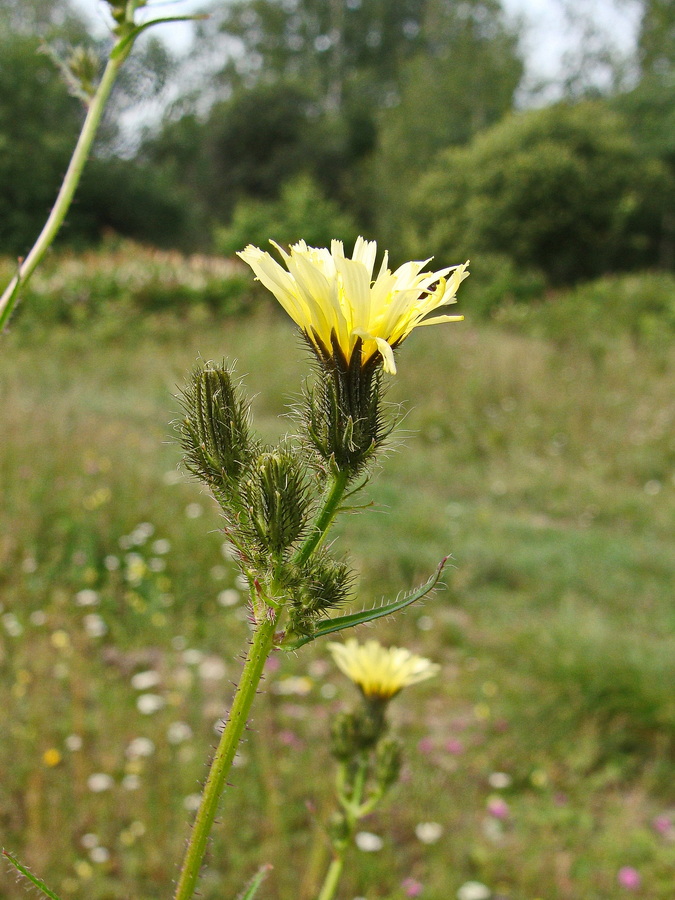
x=51, y=757
x=339, y=306
x=380, y=672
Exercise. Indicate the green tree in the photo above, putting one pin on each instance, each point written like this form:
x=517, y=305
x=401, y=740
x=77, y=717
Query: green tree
x=462, y=80
x=44, y=18
x=334, y=46
x=247, y=147
x=300, y=213
x=250, y=146
x=564, y=189
x=310, y=84
x=649, y=110
x=303, y=82
x=39, y=123
x=656, y=41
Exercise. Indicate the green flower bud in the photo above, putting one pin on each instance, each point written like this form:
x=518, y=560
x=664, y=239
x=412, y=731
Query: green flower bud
x=327, y=584
x=79, y=70
x=300, y=624
x=276, y=499
x=387, y=763
x=344, y=736
x=215, y=433
x=118, y=10
x=123, y=10
x=84, y=65
x=353, y=732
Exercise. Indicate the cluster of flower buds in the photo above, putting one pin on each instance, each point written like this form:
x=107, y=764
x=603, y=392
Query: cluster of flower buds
x=268, y=496
x=279, y=502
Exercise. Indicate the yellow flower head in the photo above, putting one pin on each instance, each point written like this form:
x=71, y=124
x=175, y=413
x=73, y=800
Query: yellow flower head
x=51, y=757
x=380, y=672
x=338, y=305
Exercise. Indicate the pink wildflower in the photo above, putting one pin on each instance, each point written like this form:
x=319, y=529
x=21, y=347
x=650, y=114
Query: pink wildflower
x=629, y=878
x=412, y=887
x=498, y=808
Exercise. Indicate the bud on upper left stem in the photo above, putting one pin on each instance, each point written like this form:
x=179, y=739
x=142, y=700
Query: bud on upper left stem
x=216, y=433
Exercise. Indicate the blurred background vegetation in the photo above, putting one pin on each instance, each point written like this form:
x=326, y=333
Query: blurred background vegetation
x=538, y=448
x=410, y=121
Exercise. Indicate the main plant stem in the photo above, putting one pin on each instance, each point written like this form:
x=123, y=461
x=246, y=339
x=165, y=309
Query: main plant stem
x=261, y=646
x=259, y=650
x=71, y=179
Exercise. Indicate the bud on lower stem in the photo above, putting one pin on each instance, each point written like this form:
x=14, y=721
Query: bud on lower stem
x=356, y=731
x=388, y=755
x=324, y=584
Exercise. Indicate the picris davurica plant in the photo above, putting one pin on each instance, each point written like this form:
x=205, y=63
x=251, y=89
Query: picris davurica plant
x=279, y=502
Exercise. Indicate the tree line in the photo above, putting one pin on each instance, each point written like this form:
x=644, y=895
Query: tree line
x=329, y=118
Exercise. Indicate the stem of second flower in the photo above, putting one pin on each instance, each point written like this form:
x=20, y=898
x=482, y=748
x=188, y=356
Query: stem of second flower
x=353, y=810
x=327, y=513
x=332, y=878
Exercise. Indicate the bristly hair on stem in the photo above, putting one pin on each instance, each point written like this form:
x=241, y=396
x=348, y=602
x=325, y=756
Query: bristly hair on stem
x=343, y=415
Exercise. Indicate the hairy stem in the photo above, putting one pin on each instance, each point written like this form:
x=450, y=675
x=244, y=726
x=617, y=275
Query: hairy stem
x=261, y=646
x=353, y=811
x=71, y=179
x=259, y=650
x=329, y=508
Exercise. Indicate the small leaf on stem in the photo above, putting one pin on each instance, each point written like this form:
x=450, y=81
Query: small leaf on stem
x=340, y=623
x=26, y=873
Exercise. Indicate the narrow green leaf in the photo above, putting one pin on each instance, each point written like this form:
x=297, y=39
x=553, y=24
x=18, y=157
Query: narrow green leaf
x=26, y=873
x=120, y=49
x=252, y=888
x=340, y=623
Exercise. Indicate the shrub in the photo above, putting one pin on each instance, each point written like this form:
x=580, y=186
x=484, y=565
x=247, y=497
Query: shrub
x=640, y=305
x=497, y=280
x=301, y=212
x=123, y=279
x=563, y=189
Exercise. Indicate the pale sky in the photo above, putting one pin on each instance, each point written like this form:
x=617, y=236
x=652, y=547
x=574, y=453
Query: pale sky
x=547, y=31
x=548, y=35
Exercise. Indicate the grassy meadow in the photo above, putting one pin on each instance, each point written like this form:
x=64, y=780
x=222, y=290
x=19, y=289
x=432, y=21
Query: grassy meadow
x=537, y=448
